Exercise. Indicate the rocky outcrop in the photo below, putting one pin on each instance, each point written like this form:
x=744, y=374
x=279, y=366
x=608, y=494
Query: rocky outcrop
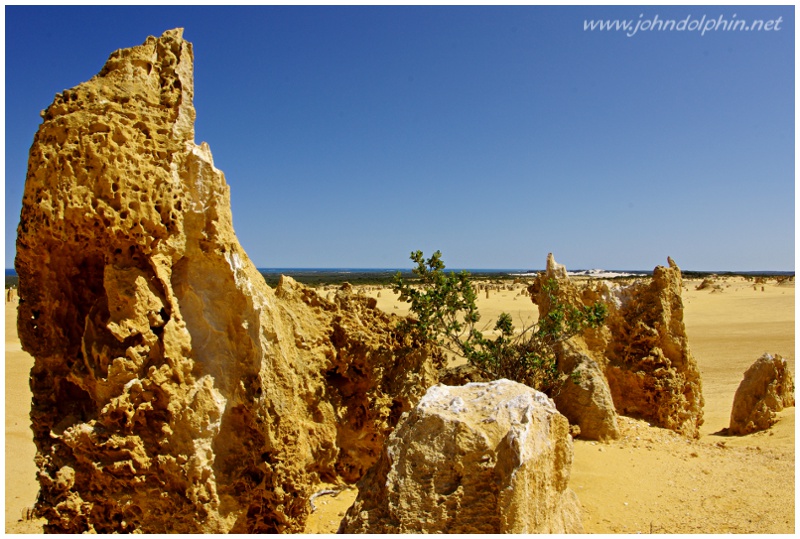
x=651, y=371
x=767, y=388
x=481, y=458
x=642, y=351
x=460, y=375
x=708, y=283
x=173, y=390
x=584, y=398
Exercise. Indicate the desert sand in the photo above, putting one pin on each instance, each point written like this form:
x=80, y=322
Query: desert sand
x=650, y=480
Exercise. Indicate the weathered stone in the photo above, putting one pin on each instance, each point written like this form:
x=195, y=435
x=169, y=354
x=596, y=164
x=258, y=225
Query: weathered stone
x=767, y=387
x=481, y=458
x=554, y=279
x=642, y=350
x=460, y=375
x=707, y=283
x=555, y=270
x=651, y=371
x=173, y=390
x=584, y=398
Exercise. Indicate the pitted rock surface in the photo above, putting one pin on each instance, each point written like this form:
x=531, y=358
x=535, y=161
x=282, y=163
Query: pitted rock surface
x=584, y=398
x=642, y=353
x=173, y=390
x=651, y=371
x=767, y=387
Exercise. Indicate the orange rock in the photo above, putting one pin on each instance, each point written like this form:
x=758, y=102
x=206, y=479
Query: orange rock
x=642, y=352
x=174, y=389
x=767, y=387
x=651, y=370
x=584, y=398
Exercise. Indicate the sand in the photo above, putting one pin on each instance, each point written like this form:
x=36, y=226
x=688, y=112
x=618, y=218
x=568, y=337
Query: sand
x=21, y=485
x=650, y=480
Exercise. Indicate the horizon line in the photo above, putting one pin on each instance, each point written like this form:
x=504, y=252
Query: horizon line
x=498, y=269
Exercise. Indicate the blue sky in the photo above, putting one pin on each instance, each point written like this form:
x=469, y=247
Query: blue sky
x=351, y=136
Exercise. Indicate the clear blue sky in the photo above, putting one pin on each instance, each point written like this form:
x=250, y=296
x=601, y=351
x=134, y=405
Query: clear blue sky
x=351, y=136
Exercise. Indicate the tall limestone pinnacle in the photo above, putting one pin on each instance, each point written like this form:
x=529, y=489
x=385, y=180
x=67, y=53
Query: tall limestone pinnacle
x=641, y=359
x=173, y=390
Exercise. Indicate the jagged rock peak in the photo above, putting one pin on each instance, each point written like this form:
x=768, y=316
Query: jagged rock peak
x=554, y=269
x=652, y=372
x=158, y=74
x=173, y=390
x=585, y=398
x=643, y=352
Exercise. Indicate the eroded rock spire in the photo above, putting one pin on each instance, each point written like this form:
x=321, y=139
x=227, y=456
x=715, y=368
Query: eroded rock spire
x=173, y=390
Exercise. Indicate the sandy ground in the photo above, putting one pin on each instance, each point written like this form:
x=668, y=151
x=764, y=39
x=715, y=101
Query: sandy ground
x=649, y=481
x=21, y=485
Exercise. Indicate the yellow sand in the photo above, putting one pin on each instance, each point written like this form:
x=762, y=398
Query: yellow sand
x=21, y=484
x=648, y=481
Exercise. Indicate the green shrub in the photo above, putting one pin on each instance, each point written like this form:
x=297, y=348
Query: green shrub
x=444, y=311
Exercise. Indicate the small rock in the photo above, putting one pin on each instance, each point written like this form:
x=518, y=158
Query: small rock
x=766, y=388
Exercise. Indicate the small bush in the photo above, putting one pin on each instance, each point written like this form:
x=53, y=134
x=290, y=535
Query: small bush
x=444, y=311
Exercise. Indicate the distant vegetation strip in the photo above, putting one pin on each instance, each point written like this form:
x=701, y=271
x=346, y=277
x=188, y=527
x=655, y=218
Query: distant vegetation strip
x=378, y=277
x=367, y=277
